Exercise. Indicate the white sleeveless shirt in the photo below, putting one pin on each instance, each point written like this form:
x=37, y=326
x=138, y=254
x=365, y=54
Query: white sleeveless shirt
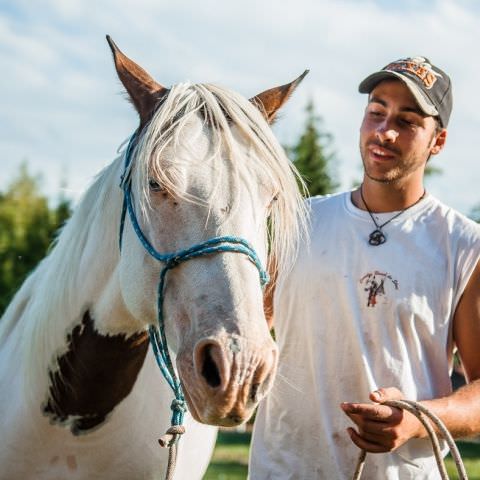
x=351, y=318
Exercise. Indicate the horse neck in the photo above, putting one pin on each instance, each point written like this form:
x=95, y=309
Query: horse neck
x=70, y=281
x=87, y=252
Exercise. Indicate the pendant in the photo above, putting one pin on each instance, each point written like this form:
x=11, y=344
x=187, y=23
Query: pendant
x=377, y=238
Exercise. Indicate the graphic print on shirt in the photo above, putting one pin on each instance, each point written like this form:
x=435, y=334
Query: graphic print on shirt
x=377, y=284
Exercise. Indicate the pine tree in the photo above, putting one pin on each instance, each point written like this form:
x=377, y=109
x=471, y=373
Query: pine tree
x=475, y=213
x=313, y=157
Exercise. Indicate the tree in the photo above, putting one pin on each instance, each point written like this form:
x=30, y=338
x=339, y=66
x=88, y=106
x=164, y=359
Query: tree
x=475, y=213
x=313, y=157
x=27, y=227
x=432, y=170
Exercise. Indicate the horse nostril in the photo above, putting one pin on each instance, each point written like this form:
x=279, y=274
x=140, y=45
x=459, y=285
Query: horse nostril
x=235, y=418
x=209, y=368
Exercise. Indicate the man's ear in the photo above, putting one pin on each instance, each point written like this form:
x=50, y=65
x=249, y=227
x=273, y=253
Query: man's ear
x=270, y=101
x=440, y=139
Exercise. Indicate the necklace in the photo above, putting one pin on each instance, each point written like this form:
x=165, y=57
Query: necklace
x=377, y=237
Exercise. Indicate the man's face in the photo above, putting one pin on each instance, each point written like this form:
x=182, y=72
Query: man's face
x=396, y=137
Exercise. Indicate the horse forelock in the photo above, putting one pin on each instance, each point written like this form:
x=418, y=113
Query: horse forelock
x=233, y=125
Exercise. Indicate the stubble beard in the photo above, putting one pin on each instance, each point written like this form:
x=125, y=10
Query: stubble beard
x=397, y=173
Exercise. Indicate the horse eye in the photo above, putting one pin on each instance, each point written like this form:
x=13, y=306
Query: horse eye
x=154, y=185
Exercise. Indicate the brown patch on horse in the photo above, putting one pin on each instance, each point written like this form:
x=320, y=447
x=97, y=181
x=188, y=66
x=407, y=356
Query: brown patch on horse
x=94, y=375
x=270, y=101
x=144, y=92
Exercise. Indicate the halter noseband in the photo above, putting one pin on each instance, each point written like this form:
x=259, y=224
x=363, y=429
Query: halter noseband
x=157, y=335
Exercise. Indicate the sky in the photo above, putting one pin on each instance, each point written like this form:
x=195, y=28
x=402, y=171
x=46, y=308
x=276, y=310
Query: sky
x=63, y=110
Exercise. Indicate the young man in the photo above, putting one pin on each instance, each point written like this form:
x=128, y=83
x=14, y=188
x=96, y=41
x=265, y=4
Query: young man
x=376, y=304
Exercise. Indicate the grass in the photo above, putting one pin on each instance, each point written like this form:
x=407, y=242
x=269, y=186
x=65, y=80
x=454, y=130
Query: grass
x=230, y=458
x=470, y=453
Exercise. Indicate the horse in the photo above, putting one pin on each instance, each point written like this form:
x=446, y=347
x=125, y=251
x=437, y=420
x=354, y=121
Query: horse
x=81, y=395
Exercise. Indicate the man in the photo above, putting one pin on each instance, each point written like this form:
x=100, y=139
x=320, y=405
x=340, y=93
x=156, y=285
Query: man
x=376, y=304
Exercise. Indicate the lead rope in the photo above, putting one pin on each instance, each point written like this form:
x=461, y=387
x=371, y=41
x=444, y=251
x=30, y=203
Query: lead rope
x=158, y=339
x=169, y=440
x=426, y=417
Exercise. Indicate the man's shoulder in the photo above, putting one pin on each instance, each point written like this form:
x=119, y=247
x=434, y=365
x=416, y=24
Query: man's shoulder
x=330, y=206
x=320, y=202
x=456, y=219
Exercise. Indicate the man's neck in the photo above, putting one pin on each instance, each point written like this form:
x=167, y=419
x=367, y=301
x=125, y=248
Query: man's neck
x=386, y=197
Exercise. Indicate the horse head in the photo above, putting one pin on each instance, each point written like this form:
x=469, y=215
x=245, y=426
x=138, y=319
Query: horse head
x=204, y=165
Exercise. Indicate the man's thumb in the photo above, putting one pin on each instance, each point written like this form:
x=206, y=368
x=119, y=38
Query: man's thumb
x=383, y=394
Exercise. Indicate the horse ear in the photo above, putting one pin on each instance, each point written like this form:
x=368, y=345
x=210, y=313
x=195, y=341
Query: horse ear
x=271, y=100
x=143, y=90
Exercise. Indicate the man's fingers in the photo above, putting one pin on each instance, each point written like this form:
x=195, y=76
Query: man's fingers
x=374, y=430
x=365, y=444
x=375, y=412
x=371, y=432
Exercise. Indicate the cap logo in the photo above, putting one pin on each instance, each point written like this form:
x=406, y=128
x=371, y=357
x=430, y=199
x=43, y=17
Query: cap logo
x=417, y=66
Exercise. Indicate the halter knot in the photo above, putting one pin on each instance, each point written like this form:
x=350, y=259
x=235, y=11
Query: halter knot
x=178, y=406
x=171, y=436
x=174, y=261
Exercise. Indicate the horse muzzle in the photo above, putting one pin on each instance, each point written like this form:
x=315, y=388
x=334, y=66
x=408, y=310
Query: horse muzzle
x=225, y=377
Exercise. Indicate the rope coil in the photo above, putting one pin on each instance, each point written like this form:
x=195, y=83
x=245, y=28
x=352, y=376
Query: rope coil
x=427, y=418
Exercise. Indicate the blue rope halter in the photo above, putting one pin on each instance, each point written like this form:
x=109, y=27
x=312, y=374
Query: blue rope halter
x=157, y=335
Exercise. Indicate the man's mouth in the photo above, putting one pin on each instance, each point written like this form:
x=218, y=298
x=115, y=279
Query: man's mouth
x=381, y=153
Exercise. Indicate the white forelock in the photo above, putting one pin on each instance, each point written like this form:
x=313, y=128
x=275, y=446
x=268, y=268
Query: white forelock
x=227, y=116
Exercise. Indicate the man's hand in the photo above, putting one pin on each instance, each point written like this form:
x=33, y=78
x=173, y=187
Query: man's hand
x=381, y=428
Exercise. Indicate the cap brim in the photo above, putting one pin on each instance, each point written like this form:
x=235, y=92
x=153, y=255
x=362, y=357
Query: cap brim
x=422, y=100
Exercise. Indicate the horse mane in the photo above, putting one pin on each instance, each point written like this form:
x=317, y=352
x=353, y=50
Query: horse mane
x=56, y=294
x=49, y=303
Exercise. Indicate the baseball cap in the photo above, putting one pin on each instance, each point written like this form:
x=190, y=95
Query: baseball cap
x=430, y=86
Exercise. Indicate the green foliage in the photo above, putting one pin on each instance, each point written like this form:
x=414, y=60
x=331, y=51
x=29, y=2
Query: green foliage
x=27, y=228
x=313, y=157
x=432, y=170
x=475, y=213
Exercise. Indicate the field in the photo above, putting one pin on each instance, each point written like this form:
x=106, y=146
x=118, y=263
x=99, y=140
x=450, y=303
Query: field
x=230, y=458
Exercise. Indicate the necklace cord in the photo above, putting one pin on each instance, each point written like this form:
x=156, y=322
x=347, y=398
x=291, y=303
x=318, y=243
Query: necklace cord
x=377, y=237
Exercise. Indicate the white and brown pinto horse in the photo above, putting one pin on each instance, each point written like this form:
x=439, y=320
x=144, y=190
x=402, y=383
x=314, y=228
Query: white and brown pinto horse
x=81, y=396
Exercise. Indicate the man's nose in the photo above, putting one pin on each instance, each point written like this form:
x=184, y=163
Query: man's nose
x=386, y=133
